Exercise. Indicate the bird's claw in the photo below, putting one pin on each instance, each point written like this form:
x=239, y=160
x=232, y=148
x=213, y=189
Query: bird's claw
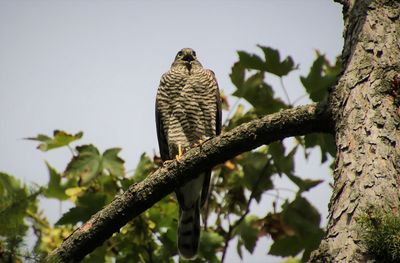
x=180, y=153
x=198, y=143
x=167, y=162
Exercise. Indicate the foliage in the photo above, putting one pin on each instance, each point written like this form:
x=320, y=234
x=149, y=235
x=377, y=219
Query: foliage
x=91, y=180
x=17, y=203
x=60, y=139
x=380, y=234
x=322, y=76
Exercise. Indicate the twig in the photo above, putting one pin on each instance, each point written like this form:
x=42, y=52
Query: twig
x=228, y=236
x=286, y=93
x=230, y=112
x=71, y=150
x=206, y=210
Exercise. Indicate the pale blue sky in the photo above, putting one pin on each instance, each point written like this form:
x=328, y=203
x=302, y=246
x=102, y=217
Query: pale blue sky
x=94, y=66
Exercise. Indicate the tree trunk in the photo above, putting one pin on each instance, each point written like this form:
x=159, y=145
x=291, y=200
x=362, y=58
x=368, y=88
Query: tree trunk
x=365, y=111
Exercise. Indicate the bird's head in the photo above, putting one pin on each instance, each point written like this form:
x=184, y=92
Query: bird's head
x=187, y=57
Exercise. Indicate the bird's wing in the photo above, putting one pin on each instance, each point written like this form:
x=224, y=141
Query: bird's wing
x=161, y=136
x=218, y=122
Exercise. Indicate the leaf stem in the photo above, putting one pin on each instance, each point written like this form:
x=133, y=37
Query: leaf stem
x=71, y=150
x=299, y=98
x=286, y=93
x=230, y=112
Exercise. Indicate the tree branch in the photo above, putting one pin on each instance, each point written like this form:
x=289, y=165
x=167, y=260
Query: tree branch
x=139, y=197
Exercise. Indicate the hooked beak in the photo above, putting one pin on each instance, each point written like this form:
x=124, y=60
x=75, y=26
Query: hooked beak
x=188, y=58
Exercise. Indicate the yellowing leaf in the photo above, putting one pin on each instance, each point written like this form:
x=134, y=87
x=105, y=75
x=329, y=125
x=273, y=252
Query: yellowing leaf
x=60, y=139
x=152, y=225
x=113, y=163
x=74, y=192
x=55, y=188
x=229, y=165
x=86, y=165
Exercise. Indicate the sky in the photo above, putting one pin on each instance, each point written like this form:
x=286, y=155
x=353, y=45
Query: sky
x=94, y=66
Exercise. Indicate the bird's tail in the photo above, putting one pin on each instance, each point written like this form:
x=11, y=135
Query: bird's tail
x=189, y=231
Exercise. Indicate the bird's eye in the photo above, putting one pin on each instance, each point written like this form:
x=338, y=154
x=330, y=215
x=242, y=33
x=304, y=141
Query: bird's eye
x=180, y=53
x=194, y=53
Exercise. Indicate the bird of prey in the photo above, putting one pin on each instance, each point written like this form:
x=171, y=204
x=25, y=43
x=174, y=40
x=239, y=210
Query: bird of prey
x=188, y=112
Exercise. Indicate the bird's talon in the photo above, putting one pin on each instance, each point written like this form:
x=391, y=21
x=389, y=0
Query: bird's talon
x=167, y=162
x=198, y=143
x=180, y=153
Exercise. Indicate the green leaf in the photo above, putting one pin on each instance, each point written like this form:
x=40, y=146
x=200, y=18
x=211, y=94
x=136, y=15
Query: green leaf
x=113, y=163
x=304, y=219
x=86, y=165
x=14, y=201
x=292, y=260
x=321, y=77
x=311, y=243
x=259, y=94
x=56, y=189
x=89, y=164
x=98, y=255
x=304, y=184
x=73, y=216
x=209, y=243
x=86, y=206
x=301, y=216
x=126, y=182
x=163, y=213
x=282, y=163
x=254, y=89
x=162, y=219
x=248, y=233
x=237, y=74
x=287, y=246
x=60, y=139
x=257, y=172
x=324, y=141
x=235, y=199
x=239, y=117
x=144, y=168
x=273, y=63
x=251, y=61
x=9, y=185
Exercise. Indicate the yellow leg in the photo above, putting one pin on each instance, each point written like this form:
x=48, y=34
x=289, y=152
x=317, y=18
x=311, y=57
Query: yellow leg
x=198, y=143
x=167, y=162
x=180, y=152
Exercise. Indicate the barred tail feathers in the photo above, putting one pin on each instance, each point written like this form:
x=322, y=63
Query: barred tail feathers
x=189, y=231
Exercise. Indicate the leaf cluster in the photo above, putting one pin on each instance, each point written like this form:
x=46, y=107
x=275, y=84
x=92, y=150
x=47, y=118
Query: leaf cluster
x=17, y=204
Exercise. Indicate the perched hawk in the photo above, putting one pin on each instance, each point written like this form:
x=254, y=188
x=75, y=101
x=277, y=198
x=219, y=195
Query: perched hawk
x=188, y=112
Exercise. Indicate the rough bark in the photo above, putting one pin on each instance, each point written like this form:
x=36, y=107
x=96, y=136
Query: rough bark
x=141, y=196
x=365, y=111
